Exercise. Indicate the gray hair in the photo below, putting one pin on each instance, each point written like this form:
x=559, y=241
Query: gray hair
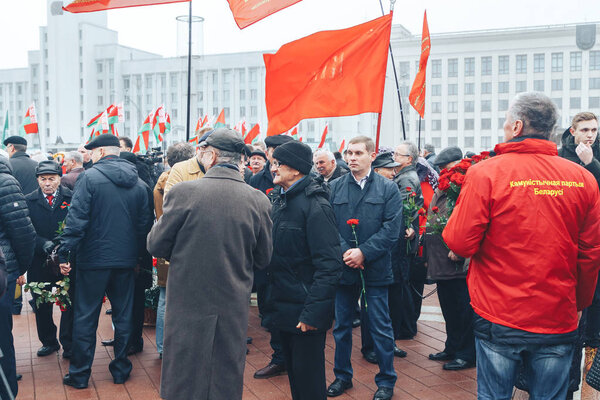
x=413, y=151
x=228, y=157
x=328, y=153
x=429, y=147
x=537, y=112
x=178, y=152
x=75, y=156
x=111, y=150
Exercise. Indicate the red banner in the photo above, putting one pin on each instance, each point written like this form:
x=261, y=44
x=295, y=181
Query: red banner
x=327, y=74
x=417, y=93
x=79, y=6
x=247, y=12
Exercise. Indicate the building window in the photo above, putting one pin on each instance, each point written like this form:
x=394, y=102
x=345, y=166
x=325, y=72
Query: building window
x=557, y=85
x=125, y=83
x=437, y=142
x=253, y=111
x=226, y=112
x=502, y=87
x=174, y=98
x=436, y=107
x=469, y=88
x=452, y=124
x=557, y=62
x=486, y=123
x=226, y=77
x=436, y=125
x=502, y=105
x=538, y=62
x=594, y=102
x=470, y=66
x=174, y=80
x=242, y=111
x=404, y=69
x=503, y=65
x=225, y=95
x=99, y=84
x=469, y=106
x=521, y=86
x=452, y=67
x=148, y=99
x=594, y=83
x=501, y=121
x=452, y=106
x=149, y=82
x=595, y=60
x=575, y=61
x=452, y=141
x=174, y=113
x=215, y=97
x=436, y=69
x=521, y=65
x=99, y=67
x=253, y=75
x=436, y=90
x=486, y=105
x=452, y=89
x=469, y=124
x=538, y=85
x=242, y=94
x=253, y=94
x=469, y=141
x=575, y=84
x=575, y=103
x=486, y=142
x=111, y=66
x=486, y=87
x=486, y=65
x=100, y=100
x=557, y=102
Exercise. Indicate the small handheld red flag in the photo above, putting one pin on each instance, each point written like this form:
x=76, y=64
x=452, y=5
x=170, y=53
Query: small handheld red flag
x=342, y=146
x=252, y=134
x=247, y=12
x=323, y=137
x=417, y=93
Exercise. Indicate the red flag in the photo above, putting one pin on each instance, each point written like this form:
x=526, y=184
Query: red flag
x=342, y=146
x=323, y=137
x=417, y=93
x=220, y=123
x=136, y=146
x=252, y=134
x=342, y=73
x=247, y=12
x=79, y=6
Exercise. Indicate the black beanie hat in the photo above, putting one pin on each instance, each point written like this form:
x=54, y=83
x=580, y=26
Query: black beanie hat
x=296, y=155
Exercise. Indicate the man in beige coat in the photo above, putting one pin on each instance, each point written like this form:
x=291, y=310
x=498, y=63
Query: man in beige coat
x=213, y=231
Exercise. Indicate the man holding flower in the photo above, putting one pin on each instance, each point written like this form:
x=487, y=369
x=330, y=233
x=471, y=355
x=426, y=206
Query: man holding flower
x=375, y=201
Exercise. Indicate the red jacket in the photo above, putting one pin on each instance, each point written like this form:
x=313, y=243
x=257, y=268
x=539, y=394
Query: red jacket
x=530, y=221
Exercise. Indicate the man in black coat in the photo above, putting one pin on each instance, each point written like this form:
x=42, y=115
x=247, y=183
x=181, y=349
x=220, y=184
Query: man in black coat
x=306, y=267
x=17, y=240
x=107, y=224
x=48, y=207
x=263, y=181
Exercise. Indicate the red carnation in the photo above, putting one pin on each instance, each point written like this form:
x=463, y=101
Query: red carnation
x=412, y=194
x=444, y=183
x=65, y=205
x=268, y=191
x=422, y=212
x=408, y=189
x=352, y=221
x=154, y=261
x=435, y=210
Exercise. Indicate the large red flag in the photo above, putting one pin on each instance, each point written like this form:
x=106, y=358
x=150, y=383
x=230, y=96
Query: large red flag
x=323, y=137
x=79, y=6
x=247, y=12
x=327, y=74
x=417, y=93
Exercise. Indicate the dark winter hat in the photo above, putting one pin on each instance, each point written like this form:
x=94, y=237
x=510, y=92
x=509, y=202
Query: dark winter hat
x=15, y=140
x=226, y=140
x=129, y=156
x=277, y=140
x=104, y=140
x=206, y=135
x=258, y=152
x=385, y=160
x=448, y=155
x=296, y=155
x=47, y=168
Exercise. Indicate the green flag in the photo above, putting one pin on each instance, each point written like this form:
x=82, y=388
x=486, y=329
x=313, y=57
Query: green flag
x=4, y=130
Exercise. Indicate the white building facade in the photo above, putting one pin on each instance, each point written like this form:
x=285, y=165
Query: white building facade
x=81, y=69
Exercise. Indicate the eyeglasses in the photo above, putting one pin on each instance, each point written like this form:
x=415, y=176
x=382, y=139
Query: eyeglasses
x=401, y=155
x=276, y=164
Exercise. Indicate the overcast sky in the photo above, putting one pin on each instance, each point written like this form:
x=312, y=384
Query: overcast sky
x=154, y=28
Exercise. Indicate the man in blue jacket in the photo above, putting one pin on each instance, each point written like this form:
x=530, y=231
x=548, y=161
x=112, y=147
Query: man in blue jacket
x=375, y=202
x=107, y=223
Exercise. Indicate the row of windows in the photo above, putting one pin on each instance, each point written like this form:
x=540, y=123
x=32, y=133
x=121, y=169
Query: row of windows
x=486, y=105
x=468, y=141
x=539, y=64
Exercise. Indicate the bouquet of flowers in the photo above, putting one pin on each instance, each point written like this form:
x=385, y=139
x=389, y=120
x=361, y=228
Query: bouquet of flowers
x=451, y=181
x=411, y=211
x=353, y=222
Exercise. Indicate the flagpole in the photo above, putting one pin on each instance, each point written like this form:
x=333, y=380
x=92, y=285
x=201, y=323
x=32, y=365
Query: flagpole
x=189, y=74
x=419, y=143
x=378, y=132
x=395, y=74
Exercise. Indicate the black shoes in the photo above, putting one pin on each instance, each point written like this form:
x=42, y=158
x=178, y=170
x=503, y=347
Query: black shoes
x=109, y=342
x=67, y=354
x=19, y=377
x=119, y=381
x=383, y=393
x=270, y=371
x=398, y=352
x=47, y=350
x=70, y=382
x=338, y=387
x=371, y=357
x=458, y=364
x=441, y=356
x=248, y=340
x=356, y=322
x=134, y=350
x=109, y=311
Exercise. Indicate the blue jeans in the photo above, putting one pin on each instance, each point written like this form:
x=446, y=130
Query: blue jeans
x=546, y=369
x=160, y=319
x=377, y=319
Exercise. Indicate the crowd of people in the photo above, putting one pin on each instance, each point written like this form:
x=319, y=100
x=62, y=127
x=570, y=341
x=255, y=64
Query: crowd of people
x=325, y=240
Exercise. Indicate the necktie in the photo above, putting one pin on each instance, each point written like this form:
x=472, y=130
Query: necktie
x=50, y=198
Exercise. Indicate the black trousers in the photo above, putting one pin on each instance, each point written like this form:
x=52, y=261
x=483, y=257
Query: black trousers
x=304, y=355
x=46, y=329
x=457, y=311
x=139, y=298
x=400, y=303
x=262, y=298
x=7, y=361
x=118, y=284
